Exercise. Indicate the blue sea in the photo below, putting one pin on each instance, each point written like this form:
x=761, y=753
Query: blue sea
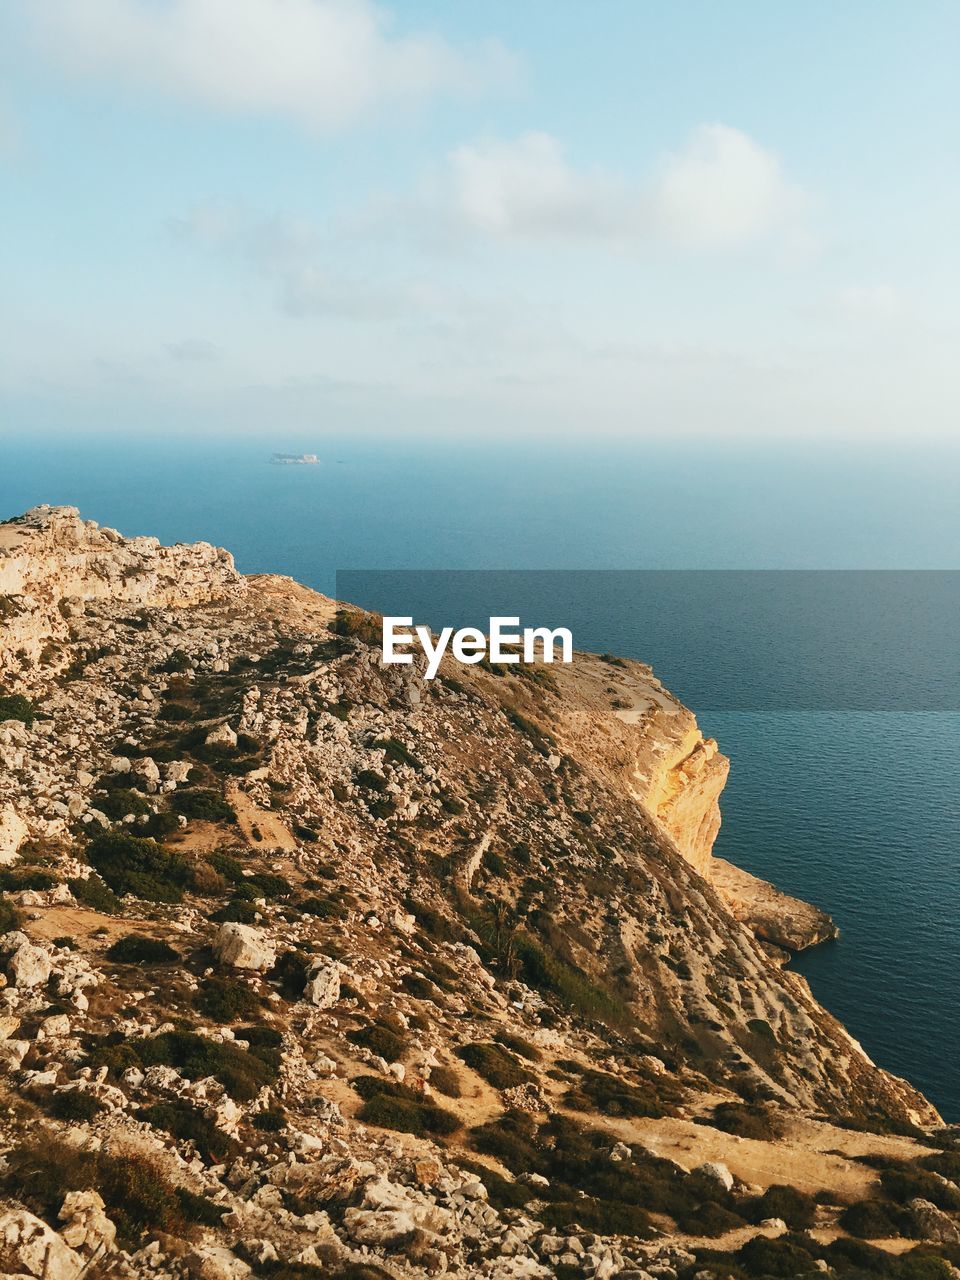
x=843, y=786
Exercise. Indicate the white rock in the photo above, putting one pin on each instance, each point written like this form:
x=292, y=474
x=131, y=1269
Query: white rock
x=28, y=1246
x=86, y=1226
x=29, y=966
x=221, y=736
x=323, y=983
x=13, y=832
x=58, y=1024
x=717, y=1172
x=244, y=947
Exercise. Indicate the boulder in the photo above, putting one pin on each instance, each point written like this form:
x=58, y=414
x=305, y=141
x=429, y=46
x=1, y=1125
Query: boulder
x=29, y=1247
x=931, y=1223
x=389, y=1214
x=244, y=947
x=86, y=1226
x=716, y=1172
x=221, y=736
x=13, y=832
x=323, y=983
x=28, y=966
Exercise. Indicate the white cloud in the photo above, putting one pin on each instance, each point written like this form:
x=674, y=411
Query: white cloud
x=526, y=187
x=871, y=302
x=322, y=63
x=193, y=350
x=721, y=190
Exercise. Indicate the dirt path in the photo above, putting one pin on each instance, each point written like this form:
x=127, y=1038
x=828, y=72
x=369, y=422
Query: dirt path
x=260, y=828
x=810, y=1156
x=79, y=923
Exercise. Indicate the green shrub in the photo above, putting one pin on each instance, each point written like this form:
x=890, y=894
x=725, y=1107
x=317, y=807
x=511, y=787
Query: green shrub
x=136, y=949
x=357, y=625
x=389, y=1105
x=272, y=1121
x=421, y=988
x=946, y=1163
x=370, y=780
x=763, y=1257
x=395, y=751
x=237, y=911
x=223, y=1001
x=603, y=1216
x=14, y=706
x=746, y=1120
x=290, y=974
x=495, y=1065
x=117, y=804
x=10, y=916
x=186, y=1122
x=269, y=886
x=548, y=972
x=447, y=1081
x=797, y=1209
x=16, y=879
x=614, y=1097
x=329, y=908
x=380, y=1040
x=143, y=868
x=708, y=1219
x=519, y=1046
x=502, y=1193
x=260, y=1037
x=203, y=805
x=227, y=866
x=93, y=893
x=903, y=1185
x=73, y=1105
x=242, y=1073
x=872, y=1220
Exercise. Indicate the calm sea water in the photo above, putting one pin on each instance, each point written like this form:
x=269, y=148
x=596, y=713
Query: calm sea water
x=855, y=809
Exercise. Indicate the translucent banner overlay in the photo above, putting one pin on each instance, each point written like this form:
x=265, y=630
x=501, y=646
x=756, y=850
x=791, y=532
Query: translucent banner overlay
x=721, y=640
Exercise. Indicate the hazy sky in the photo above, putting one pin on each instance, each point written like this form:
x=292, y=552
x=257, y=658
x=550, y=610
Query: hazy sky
x=585, y=216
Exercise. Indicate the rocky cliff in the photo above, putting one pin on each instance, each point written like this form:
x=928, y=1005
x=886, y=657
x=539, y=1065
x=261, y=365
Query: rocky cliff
x=316, y=968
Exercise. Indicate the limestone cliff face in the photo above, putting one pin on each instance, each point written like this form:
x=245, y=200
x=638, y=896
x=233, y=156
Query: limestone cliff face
x=683, y=793
x=643, y=740
x=52, y=562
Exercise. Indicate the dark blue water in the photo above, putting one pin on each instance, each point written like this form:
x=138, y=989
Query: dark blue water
x=856, y=809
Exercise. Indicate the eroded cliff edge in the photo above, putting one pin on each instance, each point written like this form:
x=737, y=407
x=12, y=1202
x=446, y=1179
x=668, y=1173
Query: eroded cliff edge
x=488, y=901
x=644, y=740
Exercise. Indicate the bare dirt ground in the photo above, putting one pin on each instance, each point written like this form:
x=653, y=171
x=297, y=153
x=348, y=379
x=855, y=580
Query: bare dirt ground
x=79, y=923
x=260, y=828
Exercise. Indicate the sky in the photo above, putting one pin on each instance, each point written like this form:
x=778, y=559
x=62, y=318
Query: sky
x=555, y=217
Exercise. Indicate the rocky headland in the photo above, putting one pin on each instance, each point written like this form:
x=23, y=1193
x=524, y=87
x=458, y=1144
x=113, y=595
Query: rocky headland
x=314, y=968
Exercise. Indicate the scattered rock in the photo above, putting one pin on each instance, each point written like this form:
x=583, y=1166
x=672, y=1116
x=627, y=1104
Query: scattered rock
x=244, y=947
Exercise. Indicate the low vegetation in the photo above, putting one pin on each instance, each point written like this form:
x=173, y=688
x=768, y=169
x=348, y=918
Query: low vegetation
x=390, y=1105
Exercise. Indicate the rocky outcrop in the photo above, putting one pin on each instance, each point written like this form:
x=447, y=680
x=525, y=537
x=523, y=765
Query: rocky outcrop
x=29, y=1247
x=52, y=564
x=772, y=915
x=683, y=793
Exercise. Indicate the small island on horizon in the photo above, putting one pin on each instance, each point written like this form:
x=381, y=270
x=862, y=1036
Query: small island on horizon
x=295, y=460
